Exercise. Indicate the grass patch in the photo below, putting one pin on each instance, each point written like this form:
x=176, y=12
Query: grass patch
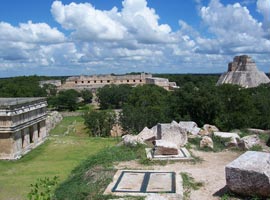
x=91, y=177
x=189, y=184
x=58, y=156
x=70, y=126
x=256, y=148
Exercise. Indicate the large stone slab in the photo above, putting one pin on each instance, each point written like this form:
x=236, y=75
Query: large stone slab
x=172, y=133
x=249, y=174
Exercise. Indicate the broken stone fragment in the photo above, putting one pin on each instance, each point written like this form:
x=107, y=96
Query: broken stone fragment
x=147, y=135
x=190, y=127
x=248, y=142
x=206, y=142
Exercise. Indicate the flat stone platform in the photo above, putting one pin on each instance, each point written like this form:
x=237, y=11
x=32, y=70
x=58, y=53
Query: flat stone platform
x=183, y=154
x=155, y=184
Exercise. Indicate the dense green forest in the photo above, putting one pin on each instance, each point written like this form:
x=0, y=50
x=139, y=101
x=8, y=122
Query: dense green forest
x=198, y=99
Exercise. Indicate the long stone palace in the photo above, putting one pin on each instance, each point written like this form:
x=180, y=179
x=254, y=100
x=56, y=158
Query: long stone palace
x=22, y=125
x=97, y=81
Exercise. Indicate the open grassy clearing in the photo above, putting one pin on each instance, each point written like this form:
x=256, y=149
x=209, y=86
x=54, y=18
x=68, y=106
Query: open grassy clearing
x=60, y=154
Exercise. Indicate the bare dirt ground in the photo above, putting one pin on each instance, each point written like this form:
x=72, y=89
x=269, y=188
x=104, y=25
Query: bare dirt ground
x=211, y=171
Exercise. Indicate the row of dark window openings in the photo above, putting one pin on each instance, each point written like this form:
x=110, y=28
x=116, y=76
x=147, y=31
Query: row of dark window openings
x=108, y=81
x=31, y=135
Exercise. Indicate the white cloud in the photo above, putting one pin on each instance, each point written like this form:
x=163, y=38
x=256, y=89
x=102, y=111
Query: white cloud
x=30, y=33
x=263, y=6
x=234, y=30
x=131, y=23
x=87, y=22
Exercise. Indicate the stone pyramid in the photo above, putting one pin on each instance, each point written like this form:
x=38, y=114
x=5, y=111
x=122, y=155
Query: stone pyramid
x=243, y=71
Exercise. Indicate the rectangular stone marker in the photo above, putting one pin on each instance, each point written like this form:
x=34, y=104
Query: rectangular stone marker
x=130, y=182
x=145, y=182
x=160, y=182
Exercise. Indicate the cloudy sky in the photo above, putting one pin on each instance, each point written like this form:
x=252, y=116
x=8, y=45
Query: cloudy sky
x=68, y=37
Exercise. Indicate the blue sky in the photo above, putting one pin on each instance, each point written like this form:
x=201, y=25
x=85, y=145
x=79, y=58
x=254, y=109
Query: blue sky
x=117, y=36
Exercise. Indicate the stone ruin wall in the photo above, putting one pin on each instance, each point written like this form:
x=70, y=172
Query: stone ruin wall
x=22, y=128
x=98, y=81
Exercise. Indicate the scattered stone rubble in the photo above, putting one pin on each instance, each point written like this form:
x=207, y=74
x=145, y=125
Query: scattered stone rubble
x=53, y=118
x=249, y=174
x=243, y=71
x=178, y=133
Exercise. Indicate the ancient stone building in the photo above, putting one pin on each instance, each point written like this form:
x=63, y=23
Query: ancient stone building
x=98, y=81
x=161, y=82
x=22, y=125
x=243, y=71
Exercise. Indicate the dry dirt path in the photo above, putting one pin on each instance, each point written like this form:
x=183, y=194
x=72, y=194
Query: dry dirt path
x=211, y=171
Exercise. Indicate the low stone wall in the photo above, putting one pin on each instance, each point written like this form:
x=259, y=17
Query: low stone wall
x=52, y=120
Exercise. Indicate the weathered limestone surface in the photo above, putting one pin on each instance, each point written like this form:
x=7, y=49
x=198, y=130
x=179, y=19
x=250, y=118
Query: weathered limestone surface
x=249, y=174
x=243, y=71
x=206, y=142
x=173, y=133
x=163, y=147
x=233, y=137
x=190, y=127
x=249, y=141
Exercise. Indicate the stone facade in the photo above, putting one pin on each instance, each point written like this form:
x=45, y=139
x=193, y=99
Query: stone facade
x=98, y=81
x=243, y=71
x=22, y=125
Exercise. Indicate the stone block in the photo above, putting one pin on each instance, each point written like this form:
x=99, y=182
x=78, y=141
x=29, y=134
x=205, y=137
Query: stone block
x=249, y=174
x=163, y=147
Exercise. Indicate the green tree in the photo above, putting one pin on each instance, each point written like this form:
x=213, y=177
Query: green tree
x=261, y=100
x=113, y=96
x=197, y=104
x=100, y=123
x=65, y=100
x=23, y=86
x=146, y=106
x=87, y=96
x=237, y=110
